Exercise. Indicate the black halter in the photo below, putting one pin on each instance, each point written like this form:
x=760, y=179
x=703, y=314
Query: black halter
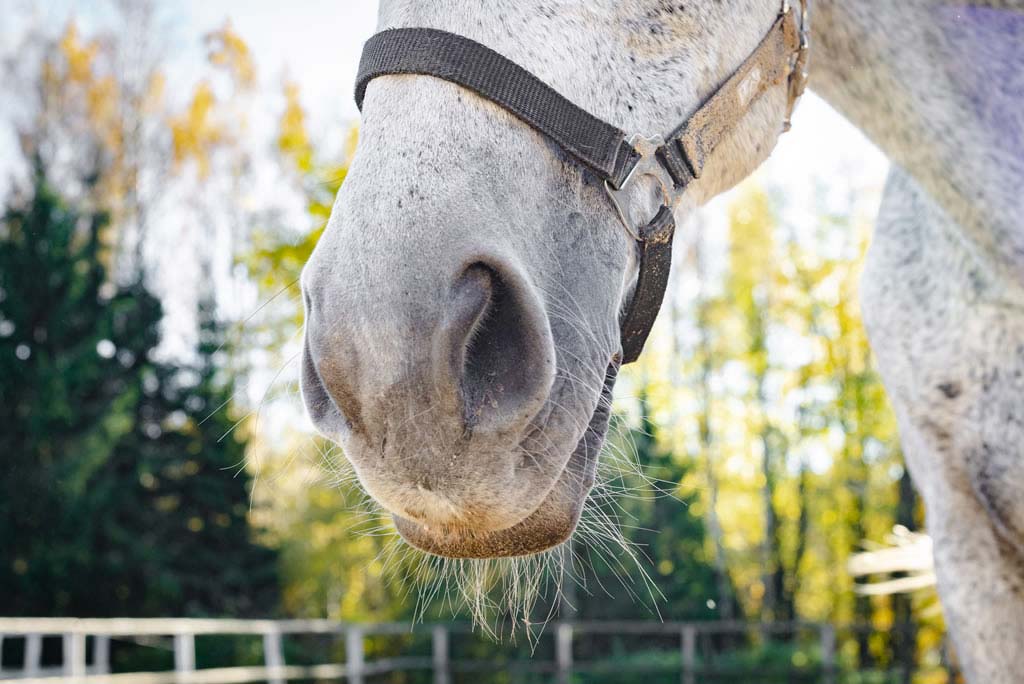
x=597, y=145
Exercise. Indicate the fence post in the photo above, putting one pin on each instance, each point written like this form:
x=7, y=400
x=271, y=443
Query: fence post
x=828, y=653
x=354, y=662
x=33, y=654
x=74, y=654
x=184, y=652
x=689, y=655
x=101, y=654
x=273, y=655
x=563, y=652
x=439, y=641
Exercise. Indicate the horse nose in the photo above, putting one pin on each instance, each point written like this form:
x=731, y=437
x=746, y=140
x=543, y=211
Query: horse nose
x=474, y=354
x=499, y=349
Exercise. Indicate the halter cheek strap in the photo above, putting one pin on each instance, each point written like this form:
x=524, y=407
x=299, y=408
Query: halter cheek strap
x=599, y=146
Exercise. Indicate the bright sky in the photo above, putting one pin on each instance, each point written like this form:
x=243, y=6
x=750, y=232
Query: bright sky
x=314, y=42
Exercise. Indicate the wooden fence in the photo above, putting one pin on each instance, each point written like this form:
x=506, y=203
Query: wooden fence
x=76, y=668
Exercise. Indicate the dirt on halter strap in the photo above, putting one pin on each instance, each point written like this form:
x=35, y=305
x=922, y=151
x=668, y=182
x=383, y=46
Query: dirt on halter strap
x=673, y=162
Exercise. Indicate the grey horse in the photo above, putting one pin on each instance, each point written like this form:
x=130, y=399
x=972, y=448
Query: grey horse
x=462, y=305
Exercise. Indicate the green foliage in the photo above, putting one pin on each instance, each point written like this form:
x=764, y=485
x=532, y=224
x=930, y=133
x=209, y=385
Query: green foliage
x=119, y=497
x=668, y=538
x=774, y=662
x=178, y=500
x=333, y=554
x=64, y=405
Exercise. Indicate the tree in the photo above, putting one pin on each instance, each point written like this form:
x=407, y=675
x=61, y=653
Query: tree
x=119, y=496
x=71, y=352
x=657, y=519
x=173, y=528
x=751, y=283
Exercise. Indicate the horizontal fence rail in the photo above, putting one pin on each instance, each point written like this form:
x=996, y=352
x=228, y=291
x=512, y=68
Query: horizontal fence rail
x=82, y=665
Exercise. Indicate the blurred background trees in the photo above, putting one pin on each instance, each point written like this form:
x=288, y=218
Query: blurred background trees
x=126, y=491
x=156, y=460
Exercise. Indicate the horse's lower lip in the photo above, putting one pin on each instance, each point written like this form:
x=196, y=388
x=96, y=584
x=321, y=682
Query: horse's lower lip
x=550, y=524
x=523, y=539
x=546, y=526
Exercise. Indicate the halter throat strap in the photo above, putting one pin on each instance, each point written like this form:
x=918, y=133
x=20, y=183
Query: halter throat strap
x=599, y=146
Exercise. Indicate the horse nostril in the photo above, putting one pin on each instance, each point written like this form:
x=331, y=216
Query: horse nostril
x=470, y=301
x=502, y=351
x=323, y=411
x=307, y=303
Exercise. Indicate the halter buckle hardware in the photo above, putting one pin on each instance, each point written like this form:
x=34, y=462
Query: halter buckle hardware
x=648, y=165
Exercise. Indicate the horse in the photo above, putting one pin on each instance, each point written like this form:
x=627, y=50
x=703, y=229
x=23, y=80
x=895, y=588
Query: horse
x=463, y=305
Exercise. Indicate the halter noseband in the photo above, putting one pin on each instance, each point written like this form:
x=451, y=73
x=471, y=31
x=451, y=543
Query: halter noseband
x=617, y=159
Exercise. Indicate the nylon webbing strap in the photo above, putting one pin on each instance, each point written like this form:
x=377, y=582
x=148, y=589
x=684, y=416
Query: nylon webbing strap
x=429, y=52
x=655, y=264
x=769, y=65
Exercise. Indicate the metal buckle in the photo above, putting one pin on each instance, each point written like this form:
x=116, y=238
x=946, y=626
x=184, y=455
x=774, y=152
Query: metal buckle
x=648, y=165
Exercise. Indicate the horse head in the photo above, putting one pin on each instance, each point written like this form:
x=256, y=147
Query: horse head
x=463, y=304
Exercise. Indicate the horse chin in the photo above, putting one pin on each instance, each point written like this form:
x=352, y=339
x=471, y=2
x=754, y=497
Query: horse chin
x=550, y=524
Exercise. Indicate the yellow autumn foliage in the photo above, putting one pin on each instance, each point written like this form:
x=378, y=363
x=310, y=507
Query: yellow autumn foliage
x=292, y=138
x=196, y=131
x=227, y=49
x=78, y=55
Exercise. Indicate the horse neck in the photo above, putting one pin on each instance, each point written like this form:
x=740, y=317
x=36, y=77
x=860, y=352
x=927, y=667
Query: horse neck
x=937, y=87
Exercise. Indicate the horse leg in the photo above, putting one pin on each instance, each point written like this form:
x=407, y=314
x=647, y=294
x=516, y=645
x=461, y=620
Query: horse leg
x=948, y=333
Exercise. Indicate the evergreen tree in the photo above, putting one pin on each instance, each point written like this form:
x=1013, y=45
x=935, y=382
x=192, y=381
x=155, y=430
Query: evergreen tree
x=671, y=534
x=668, y=537
x=174, y=532
x=119, y=497
x=71, y=351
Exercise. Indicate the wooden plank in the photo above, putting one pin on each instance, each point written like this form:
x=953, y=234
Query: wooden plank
x=439, y=646
x=220, y=675
x=184, y=653
x=688, y=655
x=169, y=626
x=33, y=654
x=101, y=654
x=563, y=652
x=354, y=655
x=674, y=628
x=74, y=654
x=273, y=656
